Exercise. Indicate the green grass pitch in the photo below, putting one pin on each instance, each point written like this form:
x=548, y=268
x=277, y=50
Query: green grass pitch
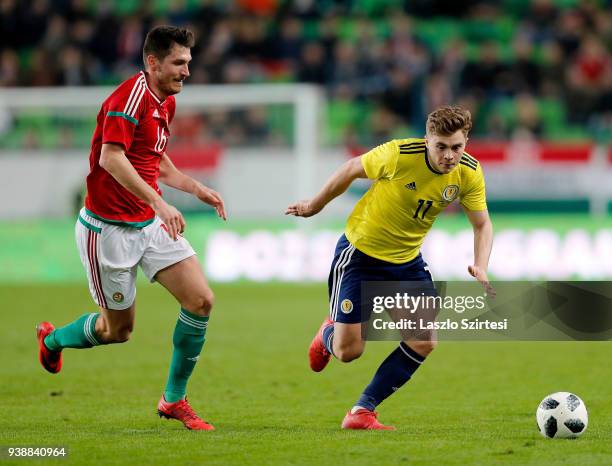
x=471, y=403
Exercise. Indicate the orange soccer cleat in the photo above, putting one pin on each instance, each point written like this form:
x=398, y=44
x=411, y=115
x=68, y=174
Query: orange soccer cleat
x=363, y=419
x=182, y=411
x=50, y=360
x=317, y=353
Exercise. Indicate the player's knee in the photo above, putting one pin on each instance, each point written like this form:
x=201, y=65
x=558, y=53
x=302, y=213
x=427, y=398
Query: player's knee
x=200, y=303
x=423, y=347
x=122, y=336
x=117, y=334
x=430, y=345
x=348, y=353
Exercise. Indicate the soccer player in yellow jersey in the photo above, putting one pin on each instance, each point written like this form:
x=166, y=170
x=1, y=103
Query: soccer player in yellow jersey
x=414, y=180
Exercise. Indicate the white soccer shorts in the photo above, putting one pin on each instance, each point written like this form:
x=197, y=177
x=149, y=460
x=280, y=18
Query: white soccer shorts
x=111, y=255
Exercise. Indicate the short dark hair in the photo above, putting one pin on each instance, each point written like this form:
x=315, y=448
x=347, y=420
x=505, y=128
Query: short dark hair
x=160, y=39
x=445, y=121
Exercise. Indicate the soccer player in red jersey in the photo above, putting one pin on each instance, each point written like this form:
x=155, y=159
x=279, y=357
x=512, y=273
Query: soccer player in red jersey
x=126, y=223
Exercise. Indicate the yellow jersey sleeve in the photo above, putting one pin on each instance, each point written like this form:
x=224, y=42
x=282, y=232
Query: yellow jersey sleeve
x=474, y=197
x=381, y=162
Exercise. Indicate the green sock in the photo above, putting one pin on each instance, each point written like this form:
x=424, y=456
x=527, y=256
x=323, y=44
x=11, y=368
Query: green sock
x=189, y=336
x=78, y=334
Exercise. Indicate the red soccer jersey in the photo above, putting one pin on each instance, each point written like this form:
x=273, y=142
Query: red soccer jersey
x=134, y=118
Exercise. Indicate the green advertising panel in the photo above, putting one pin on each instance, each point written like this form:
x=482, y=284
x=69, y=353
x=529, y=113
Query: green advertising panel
x=525, y=247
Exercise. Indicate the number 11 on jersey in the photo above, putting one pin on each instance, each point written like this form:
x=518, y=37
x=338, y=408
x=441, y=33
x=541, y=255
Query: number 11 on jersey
x=422, y=202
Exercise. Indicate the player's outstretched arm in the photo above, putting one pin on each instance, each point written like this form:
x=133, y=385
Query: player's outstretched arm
x=483, y=241
x=114, y=161
x=335, y=185
x=172, y=176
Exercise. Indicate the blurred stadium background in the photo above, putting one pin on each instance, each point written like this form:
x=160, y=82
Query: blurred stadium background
x=281, y=92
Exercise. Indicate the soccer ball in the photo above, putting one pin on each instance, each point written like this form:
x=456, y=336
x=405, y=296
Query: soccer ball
x=562, y=415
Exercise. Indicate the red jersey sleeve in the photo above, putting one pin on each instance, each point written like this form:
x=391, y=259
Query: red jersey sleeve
x=122, y=111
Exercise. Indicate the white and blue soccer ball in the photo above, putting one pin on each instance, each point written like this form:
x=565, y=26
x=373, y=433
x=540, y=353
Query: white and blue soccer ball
x=562, y=415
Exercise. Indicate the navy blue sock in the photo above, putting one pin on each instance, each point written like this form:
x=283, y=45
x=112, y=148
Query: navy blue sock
x=394, y=372
x=328, y=338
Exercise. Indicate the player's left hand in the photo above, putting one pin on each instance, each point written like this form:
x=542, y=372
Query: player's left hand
x=302, y=209
x=213, y=198
x=480, y=275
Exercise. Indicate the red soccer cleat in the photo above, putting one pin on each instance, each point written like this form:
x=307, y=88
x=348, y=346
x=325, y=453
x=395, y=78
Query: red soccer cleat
x=182, y=411
x=50, y=360
x=363, y=419
x=317, y=353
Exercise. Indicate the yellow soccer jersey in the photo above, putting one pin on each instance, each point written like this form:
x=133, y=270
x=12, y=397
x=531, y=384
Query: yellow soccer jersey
x=392, y=218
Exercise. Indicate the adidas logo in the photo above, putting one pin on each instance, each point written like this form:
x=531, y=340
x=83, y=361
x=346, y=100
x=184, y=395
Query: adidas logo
x=411, y=186
x=156, y=114
x=195, y=358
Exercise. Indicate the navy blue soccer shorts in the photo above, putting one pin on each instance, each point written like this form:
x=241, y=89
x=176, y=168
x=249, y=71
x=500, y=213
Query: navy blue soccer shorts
x=350, y=267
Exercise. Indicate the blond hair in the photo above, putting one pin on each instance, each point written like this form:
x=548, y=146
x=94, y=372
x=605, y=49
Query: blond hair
x=447, y=120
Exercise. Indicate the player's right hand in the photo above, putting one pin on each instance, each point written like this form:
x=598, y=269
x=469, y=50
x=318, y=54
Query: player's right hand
x=302, y=209
x=480, y=275
x=172, y=218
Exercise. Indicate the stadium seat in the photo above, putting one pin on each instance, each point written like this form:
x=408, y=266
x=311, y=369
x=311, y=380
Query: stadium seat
x=342, y=115
x=553, y=114
x=438, y=33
